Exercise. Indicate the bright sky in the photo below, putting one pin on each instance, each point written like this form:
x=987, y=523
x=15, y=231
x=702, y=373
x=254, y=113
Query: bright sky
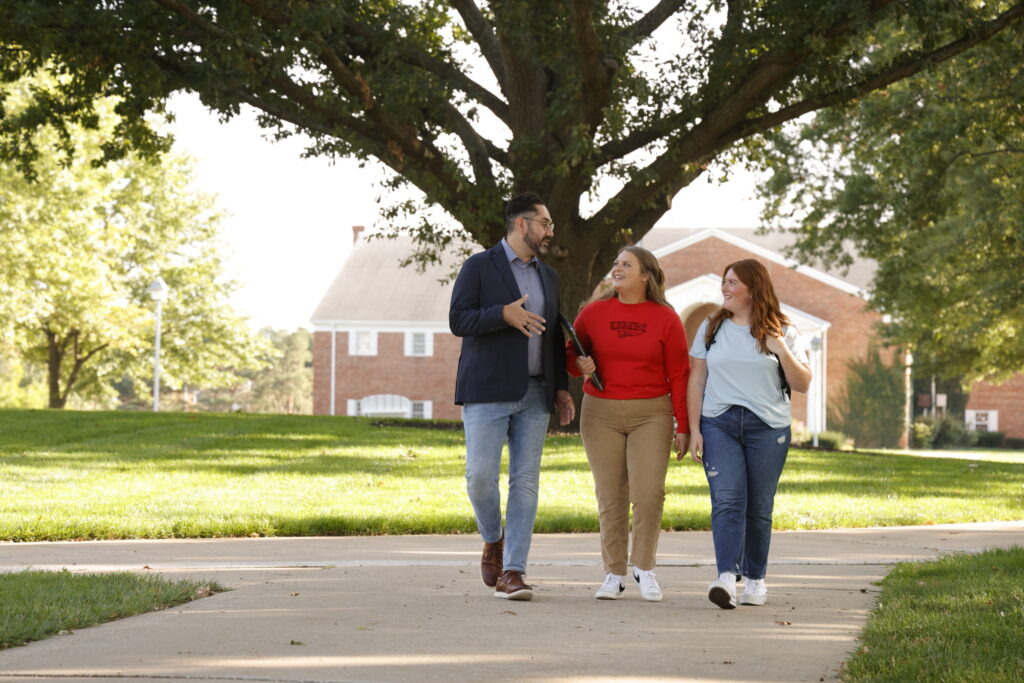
x=289, y=223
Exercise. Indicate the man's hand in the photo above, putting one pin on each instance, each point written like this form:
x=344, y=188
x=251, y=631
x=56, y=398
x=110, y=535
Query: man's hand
x=518, y=317
x=566, y=407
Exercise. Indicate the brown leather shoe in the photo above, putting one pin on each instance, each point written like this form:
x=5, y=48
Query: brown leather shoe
x=512, y=587
x=490, y=563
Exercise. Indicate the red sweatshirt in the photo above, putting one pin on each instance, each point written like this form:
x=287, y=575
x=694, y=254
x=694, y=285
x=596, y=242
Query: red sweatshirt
x=640, y=351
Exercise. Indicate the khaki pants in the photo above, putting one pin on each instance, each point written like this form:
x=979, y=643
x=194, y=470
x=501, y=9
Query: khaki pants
x=628, y=443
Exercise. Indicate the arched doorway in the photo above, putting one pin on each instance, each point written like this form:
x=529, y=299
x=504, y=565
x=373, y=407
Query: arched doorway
x=696, y=317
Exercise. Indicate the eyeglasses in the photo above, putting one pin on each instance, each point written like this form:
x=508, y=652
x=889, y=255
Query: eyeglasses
x=548, y=225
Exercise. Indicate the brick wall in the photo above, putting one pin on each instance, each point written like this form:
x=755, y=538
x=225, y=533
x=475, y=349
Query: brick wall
x=418, y=378
x=1007, y=398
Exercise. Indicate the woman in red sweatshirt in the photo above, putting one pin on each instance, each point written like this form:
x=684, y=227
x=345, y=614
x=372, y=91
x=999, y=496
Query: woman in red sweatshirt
x=637, y=344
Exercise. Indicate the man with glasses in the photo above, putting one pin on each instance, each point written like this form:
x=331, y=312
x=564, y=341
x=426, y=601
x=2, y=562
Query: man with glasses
x=505, y=306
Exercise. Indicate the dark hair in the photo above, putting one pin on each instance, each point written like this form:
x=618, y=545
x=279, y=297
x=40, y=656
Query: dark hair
x=526, y=202
x=648, y=266
x=765, y=314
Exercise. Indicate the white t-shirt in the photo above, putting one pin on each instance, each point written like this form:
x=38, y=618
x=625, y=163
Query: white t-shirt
x=740, y=375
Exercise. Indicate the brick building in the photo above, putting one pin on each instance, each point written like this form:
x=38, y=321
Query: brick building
x=382, y=345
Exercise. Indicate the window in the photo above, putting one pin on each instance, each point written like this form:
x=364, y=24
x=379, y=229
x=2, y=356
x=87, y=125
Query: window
x=362, y=343
x=982, y=420
x=419, y=344
x=422, y=409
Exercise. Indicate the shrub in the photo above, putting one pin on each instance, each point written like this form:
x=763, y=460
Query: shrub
x=952, y=433
x=990, y=439
x=800, y=434
x=922, y=434
x=870, y=407
x=1015, y=443
x=836, y=441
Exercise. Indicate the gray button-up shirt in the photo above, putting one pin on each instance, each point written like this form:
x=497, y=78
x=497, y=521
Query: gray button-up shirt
x=527, y=275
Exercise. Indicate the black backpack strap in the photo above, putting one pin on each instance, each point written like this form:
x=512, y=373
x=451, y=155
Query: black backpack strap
x=782, y=378
x=708, y=343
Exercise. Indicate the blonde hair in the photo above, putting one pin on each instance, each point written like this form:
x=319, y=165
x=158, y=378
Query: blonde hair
x=650, y=267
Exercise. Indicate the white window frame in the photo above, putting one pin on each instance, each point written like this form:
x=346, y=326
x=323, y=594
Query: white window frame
x=427, y=408
x=353, y=342
x=428, y=343
x=991, y=422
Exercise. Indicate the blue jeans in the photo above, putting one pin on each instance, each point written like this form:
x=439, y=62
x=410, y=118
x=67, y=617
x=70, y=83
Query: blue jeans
x=743, y=460
x=524, y=424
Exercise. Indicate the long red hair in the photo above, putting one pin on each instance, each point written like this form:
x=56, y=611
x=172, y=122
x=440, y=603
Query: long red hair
x=766, y=316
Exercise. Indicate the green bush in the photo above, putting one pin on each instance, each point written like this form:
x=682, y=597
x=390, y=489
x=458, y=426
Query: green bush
x=922, y=434
x=1015, y=443
x=870, y=407
x=990, y=439
x=836, y=441
x=952, y=433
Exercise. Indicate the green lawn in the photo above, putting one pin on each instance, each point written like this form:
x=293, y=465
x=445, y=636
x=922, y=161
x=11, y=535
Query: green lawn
x=101, y=475
x=40, y=604
x=960, y=618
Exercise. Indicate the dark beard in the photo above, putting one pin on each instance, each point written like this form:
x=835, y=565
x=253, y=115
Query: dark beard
x=538, y=247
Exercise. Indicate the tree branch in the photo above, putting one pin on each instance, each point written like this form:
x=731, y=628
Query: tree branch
x=484, y=35
x=907, y=68
x=650, y=22
x=596, y=75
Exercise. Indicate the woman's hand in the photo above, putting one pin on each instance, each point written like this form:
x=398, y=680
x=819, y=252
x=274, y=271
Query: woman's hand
x=776, y=345
x=681, y=442
x=697, y=447
x=586, y=365
x=797, y=374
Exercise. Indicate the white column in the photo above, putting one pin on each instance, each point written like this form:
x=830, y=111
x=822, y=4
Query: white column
x=334, y=362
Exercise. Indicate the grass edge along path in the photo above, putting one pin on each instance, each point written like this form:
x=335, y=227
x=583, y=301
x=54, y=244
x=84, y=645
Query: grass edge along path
x=957, y=618
x=76, y=475
x=40, y=604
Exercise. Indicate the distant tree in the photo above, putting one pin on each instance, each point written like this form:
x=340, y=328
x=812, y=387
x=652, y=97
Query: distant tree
x=926, y=178
x=286, y=384
x=82, y=243
x=870, y=406
x=608, y=107
x=22, y=385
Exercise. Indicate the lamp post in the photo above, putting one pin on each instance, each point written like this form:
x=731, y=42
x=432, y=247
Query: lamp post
x=908, y=390
x=157, y=291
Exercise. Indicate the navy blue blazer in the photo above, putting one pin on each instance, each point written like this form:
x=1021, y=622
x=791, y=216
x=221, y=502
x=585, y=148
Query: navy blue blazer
x=493, y=363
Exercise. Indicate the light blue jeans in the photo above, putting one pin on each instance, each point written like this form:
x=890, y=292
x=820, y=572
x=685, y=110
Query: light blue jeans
x=743, y=460
x=524, y=424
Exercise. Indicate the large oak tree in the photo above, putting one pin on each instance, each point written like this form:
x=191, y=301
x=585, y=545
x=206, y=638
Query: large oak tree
x=607, y=108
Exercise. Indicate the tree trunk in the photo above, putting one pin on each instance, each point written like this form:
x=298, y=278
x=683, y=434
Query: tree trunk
x=54, y=358
x=56, y=350
x=578, y=281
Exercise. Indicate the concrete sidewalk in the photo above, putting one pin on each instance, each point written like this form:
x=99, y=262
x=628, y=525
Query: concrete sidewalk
x=413, y=608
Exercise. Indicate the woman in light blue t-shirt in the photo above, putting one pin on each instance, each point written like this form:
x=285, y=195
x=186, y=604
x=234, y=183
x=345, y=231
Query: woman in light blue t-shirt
x=744, y=361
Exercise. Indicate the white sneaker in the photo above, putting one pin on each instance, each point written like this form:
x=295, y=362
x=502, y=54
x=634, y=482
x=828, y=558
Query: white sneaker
x=722, y=591
x=649, y=588
x=612, y=588
x=755, y=592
